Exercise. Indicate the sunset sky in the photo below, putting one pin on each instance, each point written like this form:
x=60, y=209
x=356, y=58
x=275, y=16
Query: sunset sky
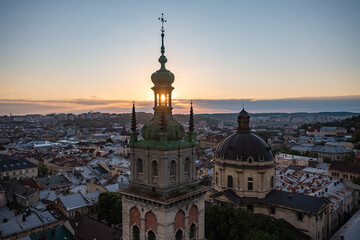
x=74, y=56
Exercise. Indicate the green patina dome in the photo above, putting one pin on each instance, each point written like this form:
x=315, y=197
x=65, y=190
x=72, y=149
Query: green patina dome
x=152, y=129
x=162, y=76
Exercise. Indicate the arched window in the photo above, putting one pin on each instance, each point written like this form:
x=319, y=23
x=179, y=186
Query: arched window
x=250, y=183
x=187, y=168
x=154, y=171
x=272, y=182
x=136, y=233
x=151, y=235
x=150, y=222
x=139, y=168
x=173, y=171
x=216, y=178
x=179, y=234
x=230, y=181
x=179, y=220
x=192, y=232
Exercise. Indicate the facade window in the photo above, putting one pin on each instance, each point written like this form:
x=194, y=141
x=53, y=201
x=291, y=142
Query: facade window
x=192, y=232
x=230, y=181
x=272, y=182
x=272, y=210
x=250, y=183
x=179, y=235
x=187, y=167
x=139, y=167
x=250, y=208
x=14, y=173
x=151, y=235
x=154, y=171
x=136, y=233
x=216, y=178
x=300, y=217
x=155, y=168
x=172, y=171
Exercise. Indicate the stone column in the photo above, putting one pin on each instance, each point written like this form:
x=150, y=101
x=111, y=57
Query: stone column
x=142, y=228
x=186, y=230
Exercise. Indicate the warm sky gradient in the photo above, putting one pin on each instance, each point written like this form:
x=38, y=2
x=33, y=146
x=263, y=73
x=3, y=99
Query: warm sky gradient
x=98, y=55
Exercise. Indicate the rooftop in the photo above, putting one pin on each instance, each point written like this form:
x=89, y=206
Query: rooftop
x=350, y=230
x=345, y=167
x=11, y=165
x=53, y=181
x=73, y=201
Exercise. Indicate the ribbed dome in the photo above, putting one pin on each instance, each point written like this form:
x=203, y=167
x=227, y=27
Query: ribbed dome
x=162, y=76
x=240, y=146
x=152, y=129
x=244, y=144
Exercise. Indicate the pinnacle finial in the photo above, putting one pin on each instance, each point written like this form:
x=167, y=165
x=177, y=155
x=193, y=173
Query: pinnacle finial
x=191, y=118
x=133, y=119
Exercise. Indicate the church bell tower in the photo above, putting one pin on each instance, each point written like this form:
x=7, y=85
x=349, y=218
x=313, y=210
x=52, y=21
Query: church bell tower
x=164, y=199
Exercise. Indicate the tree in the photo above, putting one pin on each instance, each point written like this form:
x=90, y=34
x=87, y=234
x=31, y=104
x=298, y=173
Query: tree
x=109, y=207
x=43, y=171
x=355, y=137
x=225, y=222
x=327, y=160
x=357, y=180
x=348, y=158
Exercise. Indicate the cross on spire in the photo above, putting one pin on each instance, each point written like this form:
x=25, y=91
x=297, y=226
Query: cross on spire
x=163, y=20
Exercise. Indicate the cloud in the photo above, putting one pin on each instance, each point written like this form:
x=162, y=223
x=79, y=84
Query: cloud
x=80, y=105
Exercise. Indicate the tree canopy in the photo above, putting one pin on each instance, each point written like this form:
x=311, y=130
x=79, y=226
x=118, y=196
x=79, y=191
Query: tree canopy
x=228, y=223
x=109, y=207
x=43, y=170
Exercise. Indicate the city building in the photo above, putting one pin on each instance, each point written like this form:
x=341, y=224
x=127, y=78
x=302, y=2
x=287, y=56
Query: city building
x=10, y=168
x=335, y=153
x=164, y=199
x=344, y=170
x=72, y=206
x=244, y=176
x=284, y=160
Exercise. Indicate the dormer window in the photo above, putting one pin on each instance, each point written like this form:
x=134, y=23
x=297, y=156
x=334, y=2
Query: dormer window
x=250, y=160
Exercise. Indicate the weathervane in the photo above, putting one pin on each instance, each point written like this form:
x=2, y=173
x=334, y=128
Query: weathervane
x=162, y=19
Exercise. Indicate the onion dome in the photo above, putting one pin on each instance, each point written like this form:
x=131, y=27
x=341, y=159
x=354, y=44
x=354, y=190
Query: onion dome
x=244, y=145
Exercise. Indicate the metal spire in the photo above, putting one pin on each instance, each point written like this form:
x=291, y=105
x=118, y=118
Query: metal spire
x=162, y=59
x=162, y=19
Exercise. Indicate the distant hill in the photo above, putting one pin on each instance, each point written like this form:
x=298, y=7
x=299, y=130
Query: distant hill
x=348, y=123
